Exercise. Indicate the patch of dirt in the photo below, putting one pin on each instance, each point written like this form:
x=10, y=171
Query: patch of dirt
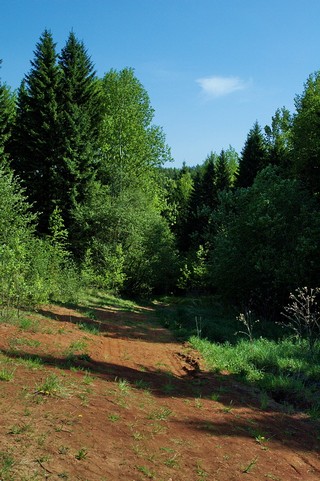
x=130, y=403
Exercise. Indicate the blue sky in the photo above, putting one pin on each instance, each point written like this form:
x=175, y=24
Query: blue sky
x=211, y=67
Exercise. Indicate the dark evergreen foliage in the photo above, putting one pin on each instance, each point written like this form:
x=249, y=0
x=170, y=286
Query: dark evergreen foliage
x=34, y=146
x=306, y=135
x=79, y=122
x=253, y=157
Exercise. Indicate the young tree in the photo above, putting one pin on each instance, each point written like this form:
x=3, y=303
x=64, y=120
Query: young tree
x=233, y=163
x=279, y=139
x=130, y=144
x=209, y=179
x=223, y=180
x=253, y=157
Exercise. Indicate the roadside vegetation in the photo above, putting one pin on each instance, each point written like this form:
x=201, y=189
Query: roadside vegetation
x=274, y=358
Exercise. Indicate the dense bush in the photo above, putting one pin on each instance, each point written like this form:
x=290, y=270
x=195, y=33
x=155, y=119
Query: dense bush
x=267, y=242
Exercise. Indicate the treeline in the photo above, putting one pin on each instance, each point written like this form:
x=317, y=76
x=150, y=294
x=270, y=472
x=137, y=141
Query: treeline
x=85, y=199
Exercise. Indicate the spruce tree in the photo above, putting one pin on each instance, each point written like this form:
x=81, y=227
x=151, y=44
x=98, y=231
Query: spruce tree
x=79, y=119
x=208, y=185
x=253, y=157
x=223, y=180
x=34, y=146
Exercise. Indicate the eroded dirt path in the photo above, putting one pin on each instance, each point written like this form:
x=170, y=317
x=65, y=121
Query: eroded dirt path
x=129, y=403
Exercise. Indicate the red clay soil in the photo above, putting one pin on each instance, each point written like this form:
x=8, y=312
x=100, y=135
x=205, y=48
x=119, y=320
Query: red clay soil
x=132, y=404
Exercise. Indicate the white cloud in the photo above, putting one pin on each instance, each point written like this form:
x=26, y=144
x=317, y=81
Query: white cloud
x=216, y=86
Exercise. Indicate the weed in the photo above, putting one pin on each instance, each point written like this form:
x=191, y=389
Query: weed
x=88, y=378
x=31, y=362
x=51, y=386
x=248, y=320
x=303, y=314
x=28, y=324
x=314, y=411
x=6, y=375
x=91, y=314
x=215, y=397
x=198, y=403
x=168, y=388
x=172, y=462
x=77, y=346
x=227, y=409
x=146, y=471
x=7, y=462
x=158, y=429
x=41, y=439
x=201, y=472
x=84, y=399
x=19, y=429
x=24, y=342
x=81, y=454
x=124, y=386
x=63, y=449
x=113, y=417
x=249, y=467
x=141, y=384
x=63, y=475
x=161, y=414
x=87, y=327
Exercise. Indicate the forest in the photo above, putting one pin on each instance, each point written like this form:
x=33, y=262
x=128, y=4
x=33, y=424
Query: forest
x=88, y=200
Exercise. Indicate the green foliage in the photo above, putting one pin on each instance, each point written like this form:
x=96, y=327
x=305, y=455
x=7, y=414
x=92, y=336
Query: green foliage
x=305, y=134
x=130, y=144
x=194, y=271
x=15, y=236
x=267, y=241
x=279, y=139
x=79, y=123
x=35, y=136
x=253, y=157
x=284, y=369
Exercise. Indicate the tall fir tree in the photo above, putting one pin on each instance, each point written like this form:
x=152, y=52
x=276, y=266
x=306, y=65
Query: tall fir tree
x=79, y=122
x=35, y=136
x=223, y=179
x=253, y=157
x=208, y=184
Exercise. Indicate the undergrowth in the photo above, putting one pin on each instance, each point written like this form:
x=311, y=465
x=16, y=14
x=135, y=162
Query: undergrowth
x=272, y=360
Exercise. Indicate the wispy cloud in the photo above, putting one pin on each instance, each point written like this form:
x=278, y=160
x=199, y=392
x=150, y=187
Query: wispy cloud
x=217, y=86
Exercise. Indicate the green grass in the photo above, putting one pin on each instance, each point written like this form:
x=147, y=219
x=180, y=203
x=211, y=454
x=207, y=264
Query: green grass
x=7, y=462
x=279, y=365
x=90, y=328
x=284, y=369
x=6, y=375
x=51, y=386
